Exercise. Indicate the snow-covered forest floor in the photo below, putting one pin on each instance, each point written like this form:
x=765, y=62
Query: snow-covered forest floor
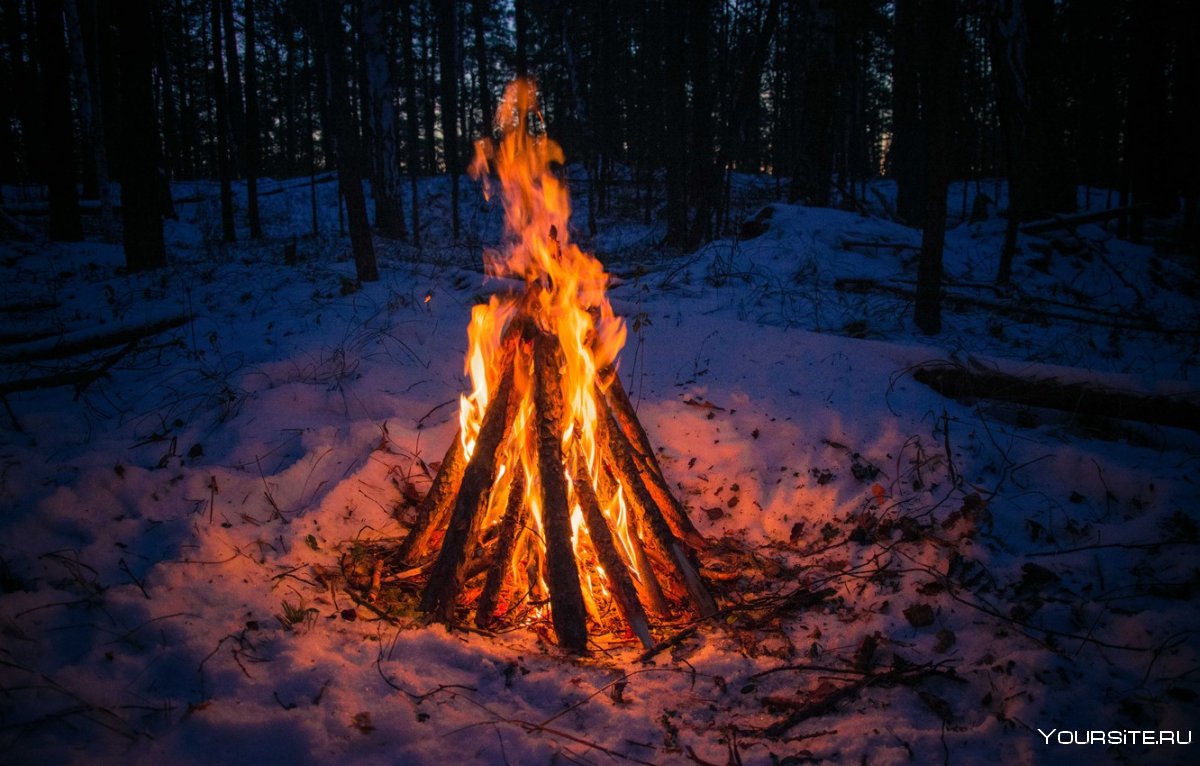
x=903, y=577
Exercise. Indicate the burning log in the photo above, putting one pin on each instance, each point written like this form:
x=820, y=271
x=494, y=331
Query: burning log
x=514, y=519
x=446, y=577
x=620, y=582
x=550, y=494
x=643, y=453
x=566, y=598
x=431, y=513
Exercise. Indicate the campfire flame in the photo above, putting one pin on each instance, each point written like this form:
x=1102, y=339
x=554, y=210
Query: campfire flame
x=552, y=491
x=567, y=289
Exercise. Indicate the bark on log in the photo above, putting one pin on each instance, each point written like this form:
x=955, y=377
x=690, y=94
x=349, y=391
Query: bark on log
x=446, y=577
x=431, y=513
x=1071, y=221
x=618, y=452
x=643, y=452
x=649, y=590
x=80, y=377
x=620, y=584
x=957, y=382
x=1023, y=310
x=88, y=340
x=567, y=610
x=506, y=543
x=436, y=503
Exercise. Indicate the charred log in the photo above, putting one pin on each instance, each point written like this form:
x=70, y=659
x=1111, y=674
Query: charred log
x=567, y=609
x=446, y=577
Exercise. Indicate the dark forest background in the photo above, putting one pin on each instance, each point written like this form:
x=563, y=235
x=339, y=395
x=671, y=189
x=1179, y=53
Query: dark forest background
x=659, y=101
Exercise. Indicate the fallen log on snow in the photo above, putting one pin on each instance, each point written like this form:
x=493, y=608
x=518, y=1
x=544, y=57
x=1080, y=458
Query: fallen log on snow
x=1023, y=308
x=878, y=245
x=91, y=339
x=958, y=382
x=1065, y=222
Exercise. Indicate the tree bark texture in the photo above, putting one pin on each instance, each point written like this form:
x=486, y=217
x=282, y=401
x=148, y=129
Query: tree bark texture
x=387, y=184
x=59, y=159
x=141, y=206
x=252, y=128
x=337, y=119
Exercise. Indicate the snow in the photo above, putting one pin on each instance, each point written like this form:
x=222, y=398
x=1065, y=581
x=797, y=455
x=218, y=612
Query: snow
x=162, y=529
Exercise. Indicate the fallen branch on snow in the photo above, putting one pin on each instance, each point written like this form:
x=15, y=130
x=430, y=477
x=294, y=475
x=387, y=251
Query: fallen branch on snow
x=958, y=382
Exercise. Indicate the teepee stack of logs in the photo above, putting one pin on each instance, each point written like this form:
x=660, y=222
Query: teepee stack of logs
x=550, y=498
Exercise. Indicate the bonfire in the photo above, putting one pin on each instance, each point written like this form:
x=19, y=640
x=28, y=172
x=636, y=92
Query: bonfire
x=550, y=502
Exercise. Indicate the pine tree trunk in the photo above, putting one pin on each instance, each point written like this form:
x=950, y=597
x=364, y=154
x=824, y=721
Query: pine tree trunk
x=387, y=184
x=252, y=144
x=90, y=111
x=411, y=116
x=237, y=110
x=936, y=21
x=1147, y=147
x=1021, y=42
x=522, y=33
x=703, y=166
x=812, y=172
x=141, y=205
x=905, y=160
x=674, y=102
x=59, y=159
x=224, y=171
x=291, y=133
x=429, y=88
x=166, y=91
x=480, y=12
x=447, y=23
x=336, y=118
x=189, y=139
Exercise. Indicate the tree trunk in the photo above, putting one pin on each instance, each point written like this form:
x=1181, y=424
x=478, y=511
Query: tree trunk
x=412, y=117
x=10, y=94
x=586, y=134
x=59, y=158
x=90, y=111
x=522, y=34
x=1186, y=81
x=674, y=103
x=1148, y=149
x=252, y=143
x=237, y=111
x=387, y=184
x=704, y=168
x=905, y=161
x=812, y=172
x=429, y=89
x=736, y=127
x=447, y=23
x=480, y=12
x=141, y=205
x=936, y=21
x=224, y=171
x=290, y=135
x=164, y=55
x=336, y=118
x=189, y=139
x=1022, y=49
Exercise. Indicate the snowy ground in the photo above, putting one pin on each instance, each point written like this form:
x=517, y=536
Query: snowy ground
x=172, y=533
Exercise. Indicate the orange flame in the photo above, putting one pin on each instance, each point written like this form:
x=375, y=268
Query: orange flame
x=566, y=296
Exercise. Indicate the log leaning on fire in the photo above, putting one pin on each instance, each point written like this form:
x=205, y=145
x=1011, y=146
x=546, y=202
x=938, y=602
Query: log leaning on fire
x=431, y=513
x=643, y=453
x=567, y=610
x=459, y=498
x=445, y=579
